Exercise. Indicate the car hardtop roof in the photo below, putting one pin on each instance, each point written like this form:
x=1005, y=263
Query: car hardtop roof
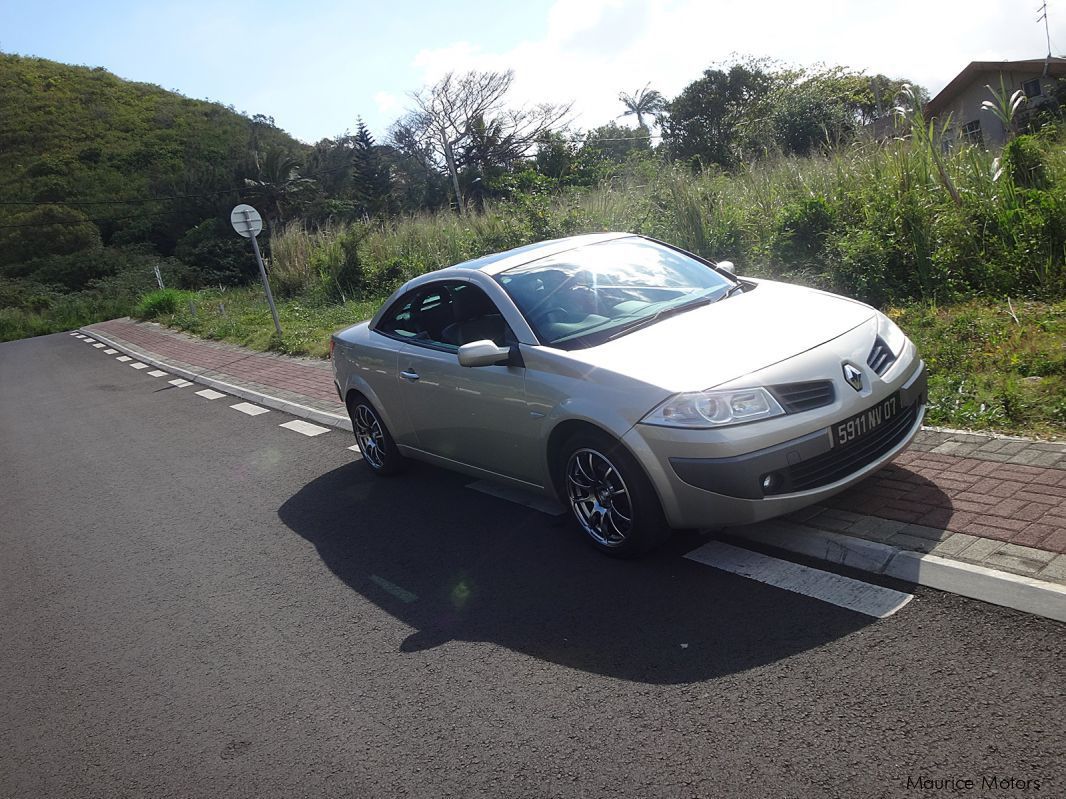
x=502, y=261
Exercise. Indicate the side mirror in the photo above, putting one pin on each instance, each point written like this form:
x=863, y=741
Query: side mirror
x=727, y=266
x=483, y=353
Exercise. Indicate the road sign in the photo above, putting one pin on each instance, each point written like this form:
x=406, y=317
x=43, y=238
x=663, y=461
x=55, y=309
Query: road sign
x=246, y=221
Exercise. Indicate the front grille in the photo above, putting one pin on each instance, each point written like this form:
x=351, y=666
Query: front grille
x=839, y=462
x=797, y=397
x=881, y=357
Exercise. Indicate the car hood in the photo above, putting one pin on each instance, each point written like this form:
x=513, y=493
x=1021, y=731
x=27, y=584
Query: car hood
x=717, y=343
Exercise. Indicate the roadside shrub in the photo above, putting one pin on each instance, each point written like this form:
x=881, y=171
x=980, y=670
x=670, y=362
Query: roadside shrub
x=160, y=302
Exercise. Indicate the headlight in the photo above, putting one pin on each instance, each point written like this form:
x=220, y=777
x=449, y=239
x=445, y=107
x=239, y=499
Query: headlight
x=891, y=334
x=715, y=408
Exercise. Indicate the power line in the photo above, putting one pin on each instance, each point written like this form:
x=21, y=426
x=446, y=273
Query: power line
x=130, y=201
x=80, y=221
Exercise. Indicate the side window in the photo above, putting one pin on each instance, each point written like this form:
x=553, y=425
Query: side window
x=447, y=315
x=398, y=320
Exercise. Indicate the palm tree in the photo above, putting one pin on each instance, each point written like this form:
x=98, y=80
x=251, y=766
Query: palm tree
x=646, y=101
x=279, y=183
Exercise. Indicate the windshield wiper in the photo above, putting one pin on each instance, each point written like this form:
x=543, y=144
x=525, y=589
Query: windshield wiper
x=658, y=316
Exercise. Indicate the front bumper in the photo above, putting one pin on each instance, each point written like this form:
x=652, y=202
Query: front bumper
x=716, y=491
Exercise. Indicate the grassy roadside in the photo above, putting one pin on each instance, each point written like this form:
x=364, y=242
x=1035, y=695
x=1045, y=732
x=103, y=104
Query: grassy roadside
x=993, y=366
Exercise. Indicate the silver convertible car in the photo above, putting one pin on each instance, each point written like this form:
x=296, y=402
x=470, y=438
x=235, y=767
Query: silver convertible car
x=644, y=387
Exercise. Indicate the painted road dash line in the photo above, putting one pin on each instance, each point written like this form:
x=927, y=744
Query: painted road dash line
x=110, y=352
x=179, y=383
x=866, y=598
x=305, y=428
x=157, y=373
x=210, y=393
x=248, y=408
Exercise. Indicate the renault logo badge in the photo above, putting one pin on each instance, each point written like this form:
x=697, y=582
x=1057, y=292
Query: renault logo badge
x=853, y=376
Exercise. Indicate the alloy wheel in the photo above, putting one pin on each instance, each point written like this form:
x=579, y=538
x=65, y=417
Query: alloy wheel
x=369, y=436
x=599, y=497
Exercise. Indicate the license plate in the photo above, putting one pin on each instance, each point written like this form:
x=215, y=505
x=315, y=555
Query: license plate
x=864, y=423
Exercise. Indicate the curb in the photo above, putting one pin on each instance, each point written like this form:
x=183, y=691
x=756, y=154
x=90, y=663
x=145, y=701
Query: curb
x=275, y=403
x=1014, y=591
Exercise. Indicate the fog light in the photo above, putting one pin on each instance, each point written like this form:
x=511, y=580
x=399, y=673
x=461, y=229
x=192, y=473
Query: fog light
x=770, y=482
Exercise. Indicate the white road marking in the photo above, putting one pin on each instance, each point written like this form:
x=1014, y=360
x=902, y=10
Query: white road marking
x=401, y=594
x=210, y=393
x=110, y=352
x=529, y=499
x=88, y=340
x=75, y=333
x=866, y=598
x=79, y=335
x=180, y=383
x=139, y=365
x=123, y=358
x=248, y=408
x=306, y=428
x=157, y=373
x=99, y=346
x=355, y=448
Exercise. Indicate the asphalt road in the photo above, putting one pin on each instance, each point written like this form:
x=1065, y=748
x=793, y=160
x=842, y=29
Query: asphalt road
x=196, y=602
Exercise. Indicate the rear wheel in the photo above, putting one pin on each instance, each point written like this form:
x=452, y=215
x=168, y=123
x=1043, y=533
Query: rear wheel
x=373, y=438
x=610, y=497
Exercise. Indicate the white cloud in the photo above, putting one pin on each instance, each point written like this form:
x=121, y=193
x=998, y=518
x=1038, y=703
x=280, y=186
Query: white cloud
x=593, y=49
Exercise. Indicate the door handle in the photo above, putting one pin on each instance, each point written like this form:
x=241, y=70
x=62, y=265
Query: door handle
x=407, y=374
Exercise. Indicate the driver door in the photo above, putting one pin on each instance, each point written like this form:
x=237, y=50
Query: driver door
x=473, y=415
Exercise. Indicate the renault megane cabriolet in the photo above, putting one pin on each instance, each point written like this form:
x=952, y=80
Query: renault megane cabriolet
x=644, y=387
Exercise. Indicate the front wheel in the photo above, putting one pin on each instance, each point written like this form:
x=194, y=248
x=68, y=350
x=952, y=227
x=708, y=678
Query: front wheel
x=610, y=497
x=373, y=438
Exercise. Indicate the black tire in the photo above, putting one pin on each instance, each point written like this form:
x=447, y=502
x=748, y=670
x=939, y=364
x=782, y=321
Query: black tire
x=609, y=496
x=373, y=437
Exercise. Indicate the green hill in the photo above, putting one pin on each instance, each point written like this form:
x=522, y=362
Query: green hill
x=73, y=140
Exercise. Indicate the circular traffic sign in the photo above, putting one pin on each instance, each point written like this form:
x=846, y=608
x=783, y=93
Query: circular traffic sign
x=246, y=221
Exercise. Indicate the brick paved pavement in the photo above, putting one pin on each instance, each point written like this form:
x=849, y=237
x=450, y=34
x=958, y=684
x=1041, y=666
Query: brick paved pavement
x=995, y=501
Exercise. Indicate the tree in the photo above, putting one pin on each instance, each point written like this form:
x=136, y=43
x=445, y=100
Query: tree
x=703, y=122
x=612, y=142
x=646, y=101
x=372, y=182
x=449, y=115
x=278, y=186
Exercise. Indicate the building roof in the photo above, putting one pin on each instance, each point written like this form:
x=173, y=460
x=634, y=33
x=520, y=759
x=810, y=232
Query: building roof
x=1055, y=66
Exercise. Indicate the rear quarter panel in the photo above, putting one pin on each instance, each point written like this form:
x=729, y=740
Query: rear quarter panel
x=366, y=362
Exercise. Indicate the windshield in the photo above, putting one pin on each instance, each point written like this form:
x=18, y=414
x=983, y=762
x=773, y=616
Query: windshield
x=585, y=296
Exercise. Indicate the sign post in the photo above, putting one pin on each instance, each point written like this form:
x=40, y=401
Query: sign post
x=249, y=224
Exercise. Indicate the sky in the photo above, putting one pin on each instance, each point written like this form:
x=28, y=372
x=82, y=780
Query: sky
x=318, y=66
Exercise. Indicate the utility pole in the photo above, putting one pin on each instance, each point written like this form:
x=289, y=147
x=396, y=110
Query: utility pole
x=1047, y=34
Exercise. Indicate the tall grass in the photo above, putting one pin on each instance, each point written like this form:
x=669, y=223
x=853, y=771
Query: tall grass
x=886, y=222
